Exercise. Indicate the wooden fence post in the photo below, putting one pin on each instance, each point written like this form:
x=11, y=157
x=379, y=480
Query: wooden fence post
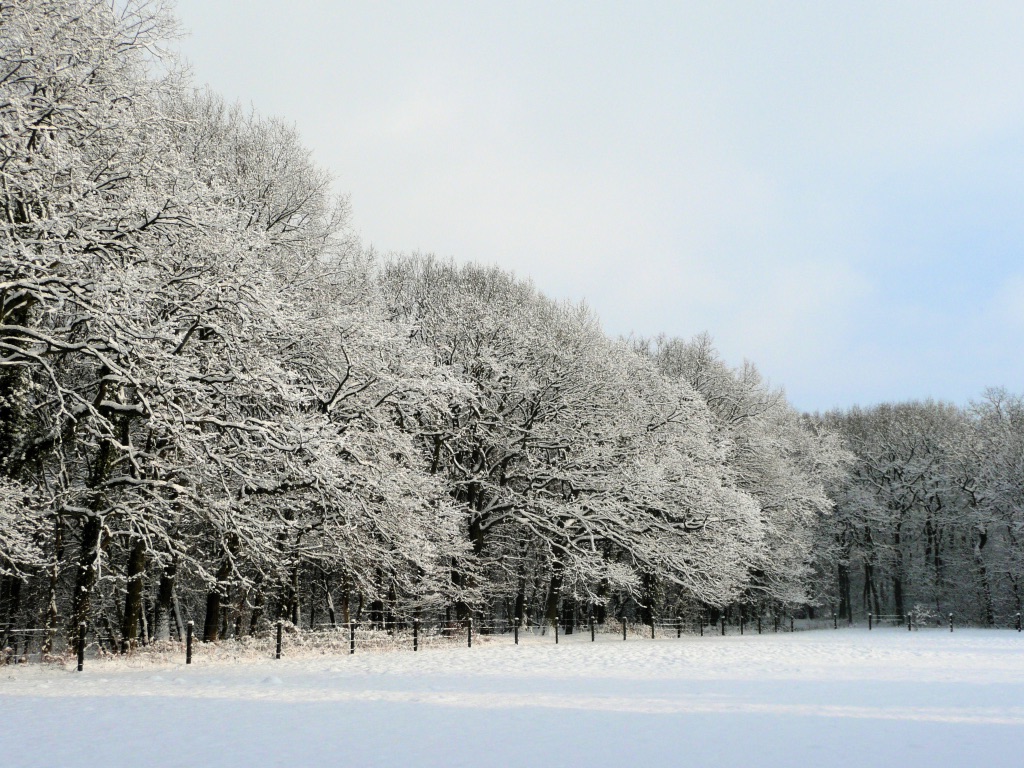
x=81, y=646
x=188, y=641
x=280, y=631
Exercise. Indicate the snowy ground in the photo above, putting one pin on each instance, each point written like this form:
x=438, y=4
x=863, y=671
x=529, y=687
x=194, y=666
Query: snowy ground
x=824, y=698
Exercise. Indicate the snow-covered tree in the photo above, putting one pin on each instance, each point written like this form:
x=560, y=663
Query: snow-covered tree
x=773, y=456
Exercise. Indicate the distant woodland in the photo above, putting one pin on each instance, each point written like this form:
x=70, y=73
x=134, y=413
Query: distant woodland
x=217, y=405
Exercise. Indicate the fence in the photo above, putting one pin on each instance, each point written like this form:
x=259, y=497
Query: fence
x=24, y=645
x=17, y=643
x=924, y=619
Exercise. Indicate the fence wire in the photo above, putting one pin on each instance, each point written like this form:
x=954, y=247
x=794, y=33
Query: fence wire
x=21, y=645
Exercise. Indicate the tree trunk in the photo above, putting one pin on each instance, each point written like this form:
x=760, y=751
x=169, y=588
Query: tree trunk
x=15, y=380
x=85, y=578
x=845, y=607
x=92, y=527
x=179, y=624
x=165, y=603
x=240, y=605
x=554, y=594
x=109, y=625
x=459, y=581
x=569, y=615
x=224, y=613
x=10, y=602
x=476, y=533
x=601, y=609
x=330, y=602
x=133, y=595
x=871, y=602
x=649, y=590
x=1011, y=575
x=52, y=616
x=144, y=630
x=376, y=613
x=897, y=572
x=389, y=612
x=346, y=599
x=520, y=609
x=257, y=611
x=980, y=540
x=211, y=625
x=930, y=545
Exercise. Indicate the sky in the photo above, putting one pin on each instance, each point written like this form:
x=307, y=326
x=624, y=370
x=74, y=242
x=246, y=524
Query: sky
x=834, y=191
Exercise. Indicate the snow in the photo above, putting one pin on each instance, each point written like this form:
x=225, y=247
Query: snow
x=824, y=698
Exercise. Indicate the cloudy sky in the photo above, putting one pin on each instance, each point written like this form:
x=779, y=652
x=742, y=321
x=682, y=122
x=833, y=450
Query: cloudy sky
x=833, y=190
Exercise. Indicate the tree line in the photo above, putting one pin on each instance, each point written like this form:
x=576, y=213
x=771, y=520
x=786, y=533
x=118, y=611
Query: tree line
x=217, y=405
x=929, y=518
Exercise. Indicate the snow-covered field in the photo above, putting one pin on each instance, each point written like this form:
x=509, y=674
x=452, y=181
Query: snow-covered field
x=824, y=698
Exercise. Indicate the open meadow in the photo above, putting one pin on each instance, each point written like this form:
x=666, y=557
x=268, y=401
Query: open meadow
x=822, y=698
